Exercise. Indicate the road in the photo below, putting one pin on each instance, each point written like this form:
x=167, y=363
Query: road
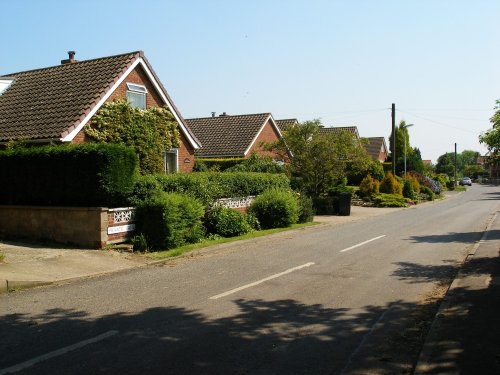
x=337, y=300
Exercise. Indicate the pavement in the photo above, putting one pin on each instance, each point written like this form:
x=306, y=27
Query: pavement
x=464, y=337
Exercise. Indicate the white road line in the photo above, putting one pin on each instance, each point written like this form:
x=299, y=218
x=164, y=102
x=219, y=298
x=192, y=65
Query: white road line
x=261, y=281
x=56, y=353
x=362, y=243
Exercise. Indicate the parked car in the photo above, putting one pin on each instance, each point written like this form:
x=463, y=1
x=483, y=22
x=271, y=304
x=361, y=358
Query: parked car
x=466, y=181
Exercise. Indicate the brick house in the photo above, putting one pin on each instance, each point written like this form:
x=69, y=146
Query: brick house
x=377, y=148
x=237, y=136
x=54, y=104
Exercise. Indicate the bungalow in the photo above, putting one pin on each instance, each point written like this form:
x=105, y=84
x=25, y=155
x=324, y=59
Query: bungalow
x=336, y=130
x=226, y=136
x=287, y=123
x=377, y=148
x=54, y=104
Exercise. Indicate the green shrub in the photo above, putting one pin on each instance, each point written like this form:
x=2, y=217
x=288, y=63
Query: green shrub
x=326, y=205
x=139, y=243
x=368, y=186
x=306, y=209
x=210, y=186
x=390, y=185
x=257, y=163
x=68, y=175
x=145, y=188
x=226, y=222
x=215, y=164
x=170, y=220
x=252, y=221
x=276, y=208
x=390, y=200
x=408, y=190
x=427, y=192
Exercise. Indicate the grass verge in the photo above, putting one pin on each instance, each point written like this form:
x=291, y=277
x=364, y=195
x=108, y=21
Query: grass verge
x=211, y=242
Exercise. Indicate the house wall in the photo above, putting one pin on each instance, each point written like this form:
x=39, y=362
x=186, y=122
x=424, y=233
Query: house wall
x=138, y=76
x=268, y=134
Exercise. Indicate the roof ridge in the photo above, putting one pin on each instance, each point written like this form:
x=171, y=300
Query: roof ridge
x=225, y=116
x=139, y=52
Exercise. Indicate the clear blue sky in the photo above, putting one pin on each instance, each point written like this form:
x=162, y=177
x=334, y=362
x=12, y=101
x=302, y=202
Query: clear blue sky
x=344, y=62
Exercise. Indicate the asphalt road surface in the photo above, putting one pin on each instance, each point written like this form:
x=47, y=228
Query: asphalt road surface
x=321, y=300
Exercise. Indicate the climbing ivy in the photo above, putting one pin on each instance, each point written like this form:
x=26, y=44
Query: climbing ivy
x=149, y=131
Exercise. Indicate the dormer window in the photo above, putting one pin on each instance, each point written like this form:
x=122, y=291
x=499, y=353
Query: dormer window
x=136, y=95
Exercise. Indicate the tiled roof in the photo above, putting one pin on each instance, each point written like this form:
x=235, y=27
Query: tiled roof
x=226, y=136
x=374, y=146
x=286, y=123
x=45, y=103
x=338, y=129
x=50, y=103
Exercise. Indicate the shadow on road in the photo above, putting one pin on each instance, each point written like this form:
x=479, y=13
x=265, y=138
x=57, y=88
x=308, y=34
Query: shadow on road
x=276, y=337
x=466, y=237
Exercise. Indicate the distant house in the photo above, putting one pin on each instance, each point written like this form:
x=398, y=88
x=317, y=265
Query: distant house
x=54, y=104
x=338, y=129
x=377, y=148
x=286, y=123
x=236, y=136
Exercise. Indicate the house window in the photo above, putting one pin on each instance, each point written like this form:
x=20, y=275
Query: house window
x=136, y=95
x=170, y=163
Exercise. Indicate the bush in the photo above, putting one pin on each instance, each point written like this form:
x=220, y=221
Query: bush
x=170, y=220
x=139, y=243
x=276, y=208
x=68, y=175
x=390, y=185
x=215, y=164
x=306, y=209
x=145, y=188
x=414, y=183
x=256, y=163
x=408, y=190
x=427, y=192
x=390, y=200
x=226, y=222
x=368, y=186
x=210, y=186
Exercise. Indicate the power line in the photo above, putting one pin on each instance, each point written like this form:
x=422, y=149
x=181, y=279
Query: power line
x=438, y=123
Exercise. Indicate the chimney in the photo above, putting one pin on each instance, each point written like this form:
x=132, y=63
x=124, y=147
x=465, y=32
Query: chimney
x=213, y=114
x=71, y=58
x=223, y=114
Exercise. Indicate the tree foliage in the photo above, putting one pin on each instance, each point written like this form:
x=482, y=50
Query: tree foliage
x=466, y=163
x=320, y=160
x=491, y=137
x=150, y=132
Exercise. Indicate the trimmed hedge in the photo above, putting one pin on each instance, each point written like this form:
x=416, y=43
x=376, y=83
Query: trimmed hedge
x=276, y=208
x=215, y=164
x=167, y=221
x=210, y=186
x=67, y=175
x=226, y=222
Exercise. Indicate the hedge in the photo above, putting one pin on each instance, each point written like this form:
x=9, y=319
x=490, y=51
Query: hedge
x=215, y=164
x=89, y=175
x=167, y=221
x=210, y=186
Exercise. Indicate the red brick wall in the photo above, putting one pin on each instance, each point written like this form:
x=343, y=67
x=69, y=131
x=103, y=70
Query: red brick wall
x=269, y=134
x=138, y=76
x=186, y=152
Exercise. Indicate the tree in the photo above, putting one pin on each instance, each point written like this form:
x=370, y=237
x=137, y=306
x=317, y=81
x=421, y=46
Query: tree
x=320, y=160
x=466, y=163
x=401, y=135
x=491, y=137
x=446, y=164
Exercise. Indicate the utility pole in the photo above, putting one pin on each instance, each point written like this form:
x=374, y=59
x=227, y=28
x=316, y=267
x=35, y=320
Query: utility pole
x=393, y=114
x=455, y=182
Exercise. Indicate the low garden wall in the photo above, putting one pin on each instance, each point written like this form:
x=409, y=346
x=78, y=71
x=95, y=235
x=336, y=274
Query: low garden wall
x=93, y=227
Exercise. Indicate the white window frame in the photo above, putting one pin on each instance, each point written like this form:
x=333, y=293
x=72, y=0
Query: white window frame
x=172, y=151
x=137, y=89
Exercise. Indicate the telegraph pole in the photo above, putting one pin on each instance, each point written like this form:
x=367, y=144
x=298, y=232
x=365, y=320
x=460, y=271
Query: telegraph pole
x=393, y=114
x=455, y=182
